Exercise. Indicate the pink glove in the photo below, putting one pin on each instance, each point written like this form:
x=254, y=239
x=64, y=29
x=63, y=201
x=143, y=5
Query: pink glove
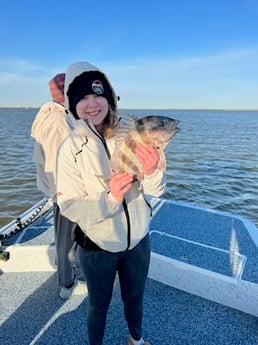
x=120, y=184
x=148, y=157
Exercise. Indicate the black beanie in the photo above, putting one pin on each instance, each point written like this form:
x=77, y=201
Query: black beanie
x=93, y=82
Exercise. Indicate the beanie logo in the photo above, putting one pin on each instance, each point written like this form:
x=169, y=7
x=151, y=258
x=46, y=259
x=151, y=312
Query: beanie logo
x=97, y=87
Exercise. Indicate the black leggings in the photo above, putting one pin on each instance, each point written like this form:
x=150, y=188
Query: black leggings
x=100, y=268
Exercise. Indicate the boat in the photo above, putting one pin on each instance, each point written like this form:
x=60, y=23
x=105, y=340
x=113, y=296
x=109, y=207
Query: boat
x=202, y=286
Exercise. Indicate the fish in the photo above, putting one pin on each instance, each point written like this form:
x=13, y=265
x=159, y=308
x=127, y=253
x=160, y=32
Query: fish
x=156, y=131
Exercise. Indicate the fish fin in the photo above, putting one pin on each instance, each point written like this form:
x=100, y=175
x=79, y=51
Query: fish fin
x=126, y=124
x=162, y=164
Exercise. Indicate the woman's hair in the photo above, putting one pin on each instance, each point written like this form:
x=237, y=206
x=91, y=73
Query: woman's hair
x=110, y=123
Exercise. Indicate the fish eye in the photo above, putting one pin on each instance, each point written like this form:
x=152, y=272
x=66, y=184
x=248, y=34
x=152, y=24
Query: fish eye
x=162, y=123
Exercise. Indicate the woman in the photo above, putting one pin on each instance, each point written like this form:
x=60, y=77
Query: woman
x=110, y=209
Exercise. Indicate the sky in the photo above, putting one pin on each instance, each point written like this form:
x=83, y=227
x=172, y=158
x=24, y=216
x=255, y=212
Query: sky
x=164, y=54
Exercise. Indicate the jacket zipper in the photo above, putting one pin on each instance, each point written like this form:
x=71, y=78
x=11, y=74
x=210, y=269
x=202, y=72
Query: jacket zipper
x=124, y=202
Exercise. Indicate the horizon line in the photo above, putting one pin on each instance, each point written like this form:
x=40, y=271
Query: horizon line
x=221, y=109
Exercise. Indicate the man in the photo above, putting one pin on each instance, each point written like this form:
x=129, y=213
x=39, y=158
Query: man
x=49, y=129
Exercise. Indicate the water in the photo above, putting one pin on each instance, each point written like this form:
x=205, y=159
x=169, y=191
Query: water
x=212, y=162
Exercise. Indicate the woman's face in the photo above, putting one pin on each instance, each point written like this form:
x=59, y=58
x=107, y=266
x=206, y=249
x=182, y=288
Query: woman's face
x=93, y=108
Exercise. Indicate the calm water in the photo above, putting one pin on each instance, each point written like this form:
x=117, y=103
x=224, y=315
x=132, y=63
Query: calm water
x=212, y=162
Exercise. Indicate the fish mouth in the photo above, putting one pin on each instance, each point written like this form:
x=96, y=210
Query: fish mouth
x=174, y=124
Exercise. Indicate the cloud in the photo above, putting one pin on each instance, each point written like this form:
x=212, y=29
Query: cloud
x=24, y=82
x=227, y=79
x=20, y=66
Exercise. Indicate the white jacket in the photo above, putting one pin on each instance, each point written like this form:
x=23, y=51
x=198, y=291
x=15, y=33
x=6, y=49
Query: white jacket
x=83, y=169
x=49, y=129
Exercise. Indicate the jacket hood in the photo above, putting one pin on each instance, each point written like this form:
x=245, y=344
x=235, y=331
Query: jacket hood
x=78, y=68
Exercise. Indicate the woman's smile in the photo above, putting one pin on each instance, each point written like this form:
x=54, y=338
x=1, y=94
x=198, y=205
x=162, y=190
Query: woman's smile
x=93, y=107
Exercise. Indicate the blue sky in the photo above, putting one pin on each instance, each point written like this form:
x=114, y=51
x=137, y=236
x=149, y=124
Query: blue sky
x=158, y=54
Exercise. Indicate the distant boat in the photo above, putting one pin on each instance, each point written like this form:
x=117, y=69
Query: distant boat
x=210, y=256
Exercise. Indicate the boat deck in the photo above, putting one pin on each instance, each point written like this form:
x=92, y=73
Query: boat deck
x=187, y=265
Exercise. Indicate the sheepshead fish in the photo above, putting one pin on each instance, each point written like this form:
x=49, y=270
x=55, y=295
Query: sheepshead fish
x=156, y=131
